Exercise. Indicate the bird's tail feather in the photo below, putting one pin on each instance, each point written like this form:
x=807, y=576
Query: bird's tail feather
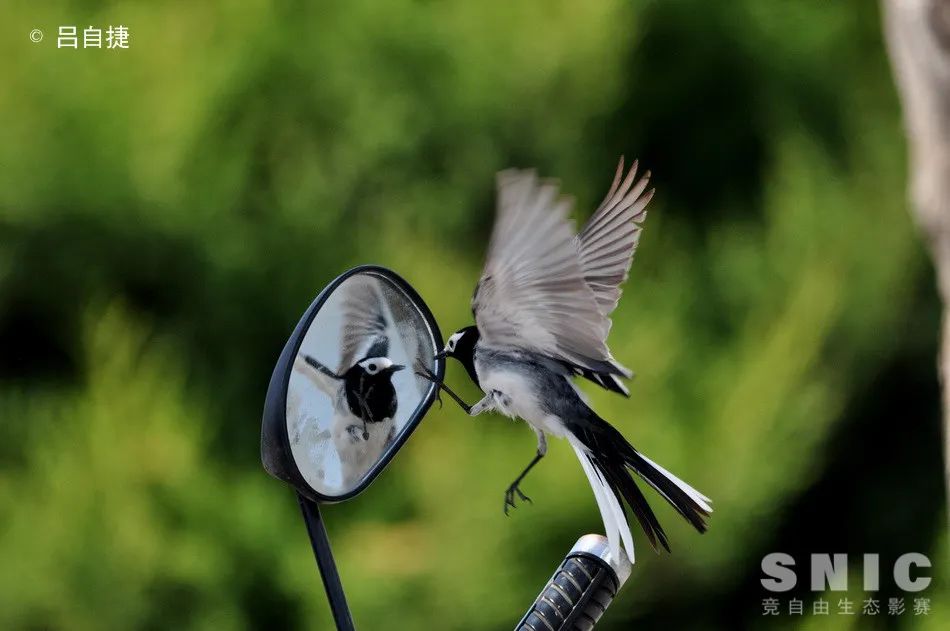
x=688, y=502
x=698, y=498
x=607, y=459
x=611, y=510
x=623, y=485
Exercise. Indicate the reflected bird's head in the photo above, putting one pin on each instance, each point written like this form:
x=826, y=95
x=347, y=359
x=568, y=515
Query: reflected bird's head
x=461, y=345
x=378, y=366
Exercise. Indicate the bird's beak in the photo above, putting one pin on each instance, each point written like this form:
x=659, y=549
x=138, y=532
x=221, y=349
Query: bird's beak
x=440, y=355
x=396, y=367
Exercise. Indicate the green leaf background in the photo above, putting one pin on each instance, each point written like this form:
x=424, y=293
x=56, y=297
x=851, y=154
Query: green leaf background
x=168, y=211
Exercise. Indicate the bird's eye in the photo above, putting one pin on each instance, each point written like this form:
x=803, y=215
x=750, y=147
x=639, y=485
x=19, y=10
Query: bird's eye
x=451, y=345
x=371, y=368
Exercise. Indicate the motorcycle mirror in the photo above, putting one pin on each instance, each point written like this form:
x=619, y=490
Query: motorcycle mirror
x=345, y=396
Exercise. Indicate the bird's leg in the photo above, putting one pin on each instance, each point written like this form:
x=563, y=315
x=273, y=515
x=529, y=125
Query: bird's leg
x=428, y=374
x=368, y=412
x=364, y=407
x=484, y=404
x=514, y=488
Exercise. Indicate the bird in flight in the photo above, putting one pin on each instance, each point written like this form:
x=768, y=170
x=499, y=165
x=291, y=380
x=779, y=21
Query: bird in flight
x=542, y=310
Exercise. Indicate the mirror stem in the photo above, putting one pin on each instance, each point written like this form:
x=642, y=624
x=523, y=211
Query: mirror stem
x=321, y=550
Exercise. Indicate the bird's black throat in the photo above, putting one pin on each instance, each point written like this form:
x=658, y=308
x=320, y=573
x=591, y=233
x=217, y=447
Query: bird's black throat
x=465, y=351
x=370, y=397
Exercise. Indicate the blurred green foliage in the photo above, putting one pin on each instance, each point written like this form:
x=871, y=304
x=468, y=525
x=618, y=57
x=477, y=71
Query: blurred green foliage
x=168, y=211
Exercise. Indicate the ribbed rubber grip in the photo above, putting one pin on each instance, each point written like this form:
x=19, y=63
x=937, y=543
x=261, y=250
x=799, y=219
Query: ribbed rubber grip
x=577, y=595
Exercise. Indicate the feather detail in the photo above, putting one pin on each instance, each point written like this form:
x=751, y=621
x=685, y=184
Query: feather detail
x=615, y=522
x=609, y=240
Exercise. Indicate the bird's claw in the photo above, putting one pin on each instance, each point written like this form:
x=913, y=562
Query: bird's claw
x=510, y=494
x=424, y=372
x=430, y=376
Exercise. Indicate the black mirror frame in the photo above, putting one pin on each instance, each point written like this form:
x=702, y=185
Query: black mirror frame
x=276, y=454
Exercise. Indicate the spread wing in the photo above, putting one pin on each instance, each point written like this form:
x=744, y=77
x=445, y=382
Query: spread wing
x=532, y=294
x=607, y=243
x=322, y=377
x=363, y=329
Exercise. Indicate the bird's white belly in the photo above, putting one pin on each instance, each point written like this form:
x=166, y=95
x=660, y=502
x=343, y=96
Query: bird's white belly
x=356, y=453
x=516, y=396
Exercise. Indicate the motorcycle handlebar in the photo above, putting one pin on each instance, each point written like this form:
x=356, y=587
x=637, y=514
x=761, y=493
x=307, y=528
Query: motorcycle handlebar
x=580, y=591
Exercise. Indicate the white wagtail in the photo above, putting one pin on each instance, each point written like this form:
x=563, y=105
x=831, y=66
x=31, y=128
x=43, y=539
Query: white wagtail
x=541, y=311
x=363, y=395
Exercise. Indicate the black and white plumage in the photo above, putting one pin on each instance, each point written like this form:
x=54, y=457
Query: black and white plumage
x=541, y=312
x=364, y=398
x=366, y=389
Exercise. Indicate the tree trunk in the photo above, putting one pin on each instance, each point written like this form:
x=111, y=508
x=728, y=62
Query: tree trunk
x=918, y=40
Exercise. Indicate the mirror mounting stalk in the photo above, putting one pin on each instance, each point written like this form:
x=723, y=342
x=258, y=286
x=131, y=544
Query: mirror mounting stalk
x=324, y=556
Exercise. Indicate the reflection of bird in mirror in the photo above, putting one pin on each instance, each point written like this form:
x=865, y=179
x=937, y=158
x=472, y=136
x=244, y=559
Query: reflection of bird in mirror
x=367, y=390
x=541, y=311
x=364, y=397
